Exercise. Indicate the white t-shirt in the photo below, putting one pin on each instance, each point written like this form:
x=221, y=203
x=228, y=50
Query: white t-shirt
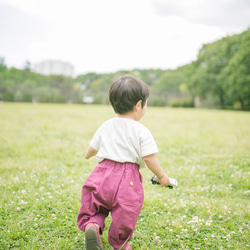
x=123, y=140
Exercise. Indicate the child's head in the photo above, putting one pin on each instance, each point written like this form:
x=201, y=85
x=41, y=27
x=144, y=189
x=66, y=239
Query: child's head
x=125, y=92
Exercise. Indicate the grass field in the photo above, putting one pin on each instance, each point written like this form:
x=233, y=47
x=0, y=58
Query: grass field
x=42, y=170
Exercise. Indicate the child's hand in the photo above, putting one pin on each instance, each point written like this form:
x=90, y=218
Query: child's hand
x=164, y=180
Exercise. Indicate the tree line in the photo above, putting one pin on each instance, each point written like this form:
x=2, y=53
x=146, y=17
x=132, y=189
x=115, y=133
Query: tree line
x=219, y=77
x=221, y=73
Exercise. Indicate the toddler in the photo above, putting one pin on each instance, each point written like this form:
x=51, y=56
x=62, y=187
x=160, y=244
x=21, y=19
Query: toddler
x=122, y=146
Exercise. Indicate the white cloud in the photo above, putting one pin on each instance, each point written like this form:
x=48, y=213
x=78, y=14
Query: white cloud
x=223, y=13
x=105, y=36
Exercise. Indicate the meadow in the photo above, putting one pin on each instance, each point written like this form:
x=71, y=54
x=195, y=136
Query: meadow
x=42, y=170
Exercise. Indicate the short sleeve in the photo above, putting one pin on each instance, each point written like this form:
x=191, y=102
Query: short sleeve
x=148, y=144
x=95, y=142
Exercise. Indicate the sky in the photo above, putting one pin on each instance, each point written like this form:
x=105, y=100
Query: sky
x=107, y=36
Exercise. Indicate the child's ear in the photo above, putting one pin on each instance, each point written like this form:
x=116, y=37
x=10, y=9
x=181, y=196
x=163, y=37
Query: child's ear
x=138, y=105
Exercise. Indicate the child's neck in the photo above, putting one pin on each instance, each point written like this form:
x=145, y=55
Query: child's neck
x=130, y=115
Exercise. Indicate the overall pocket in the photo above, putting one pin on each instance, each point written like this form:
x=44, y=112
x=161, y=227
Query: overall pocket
x=131, y=190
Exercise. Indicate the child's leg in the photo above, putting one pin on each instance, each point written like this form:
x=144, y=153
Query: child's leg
x=126, y=207
x=97, y=194
x=122, y=228
x=93, y=209
x=97, y=218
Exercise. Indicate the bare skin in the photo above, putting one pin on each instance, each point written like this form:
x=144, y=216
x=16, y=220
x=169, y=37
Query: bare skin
x=154, y=165
x=90, y=152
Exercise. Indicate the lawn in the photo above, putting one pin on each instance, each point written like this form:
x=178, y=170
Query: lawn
x=42, y=170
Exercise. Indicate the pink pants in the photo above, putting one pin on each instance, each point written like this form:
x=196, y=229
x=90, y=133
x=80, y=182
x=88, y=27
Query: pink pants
x=117, y=188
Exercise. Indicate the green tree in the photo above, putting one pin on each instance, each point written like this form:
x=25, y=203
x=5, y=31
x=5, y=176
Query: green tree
x=239, y=72
x=167, y=85
x=208, y=75
x=3, y=66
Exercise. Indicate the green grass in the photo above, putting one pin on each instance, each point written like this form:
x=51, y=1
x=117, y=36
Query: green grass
x=42, y=170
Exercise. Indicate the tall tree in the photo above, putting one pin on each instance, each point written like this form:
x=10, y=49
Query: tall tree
x=239, y=72
x=209, y=74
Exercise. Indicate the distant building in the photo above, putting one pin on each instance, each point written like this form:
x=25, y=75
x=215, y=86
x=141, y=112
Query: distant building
x=52, y=67
x=88, y=99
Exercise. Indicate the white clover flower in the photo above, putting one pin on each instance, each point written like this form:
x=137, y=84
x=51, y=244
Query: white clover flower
x=23, y=202
x=16, y=179
x=157, y=238
x=18, y=209
x=208, y=223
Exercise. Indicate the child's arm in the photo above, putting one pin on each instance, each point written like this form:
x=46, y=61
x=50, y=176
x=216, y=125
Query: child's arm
x=90, y=152
x=154, y=165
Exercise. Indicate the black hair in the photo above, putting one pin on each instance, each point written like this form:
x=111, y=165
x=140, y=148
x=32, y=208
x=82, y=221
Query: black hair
x=125, y=92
